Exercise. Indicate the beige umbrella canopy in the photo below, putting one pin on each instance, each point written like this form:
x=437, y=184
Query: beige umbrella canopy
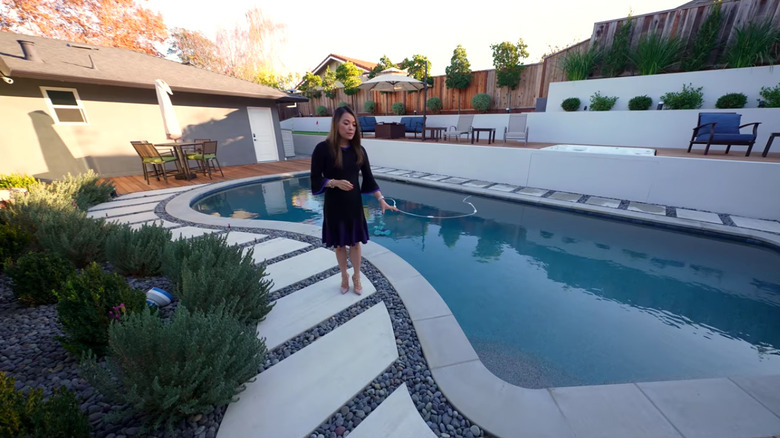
x=392, y=80
x=172, y=129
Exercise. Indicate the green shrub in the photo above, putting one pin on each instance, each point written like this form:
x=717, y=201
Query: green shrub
x=29, y=415
x=342, y=104
x=208, y=272
x=571, y=104
x=15, y=180
x=771, y=96
x=655, y=54
x=14, y=241
x=434, y=105
x=74, y=236
x=706, y=41
x=85, y=189
x=688, y=98
x=321, y=111
x=398, y=109
x=481, y=102
x=171, y=370
x=36, y=275
x=85, y=306
x=617, y=57
x=369, y=106
x=640, y=103
x=602, y=103
x=137, y=252
x=26, y=210
x=731, y=100
x=579, y=65
x=752, y=45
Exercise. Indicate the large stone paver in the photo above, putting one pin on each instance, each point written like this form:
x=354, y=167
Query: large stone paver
x=396, y=417
x=711, y=408
x=274, y=248
x=308, y=307
x=296, y=395
x=132, y=201
x=121, y=211
x=190, y=232
x=241, y=237
x=134, y=218
x=300, y=267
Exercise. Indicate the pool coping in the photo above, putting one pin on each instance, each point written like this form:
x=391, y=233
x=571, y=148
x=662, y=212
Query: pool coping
x=727, y=407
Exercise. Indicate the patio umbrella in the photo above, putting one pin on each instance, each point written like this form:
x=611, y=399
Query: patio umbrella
x=392, y=80
x=172, y=129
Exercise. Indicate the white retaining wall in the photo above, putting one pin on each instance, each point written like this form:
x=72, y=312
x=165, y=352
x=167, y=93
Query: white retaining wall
x=734, y=187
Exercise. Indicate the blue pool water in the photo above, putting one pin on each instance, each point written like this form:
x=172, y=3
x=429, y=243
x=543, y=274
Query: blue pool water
x=553, y=298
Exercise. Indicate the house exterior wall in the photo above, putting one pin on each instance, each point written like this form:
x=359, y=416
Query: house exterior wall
x=34, y=144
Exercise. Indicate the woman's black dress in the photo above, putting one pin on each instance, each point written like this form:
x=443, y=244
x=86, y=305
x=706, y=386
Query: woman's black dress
x=344, y=223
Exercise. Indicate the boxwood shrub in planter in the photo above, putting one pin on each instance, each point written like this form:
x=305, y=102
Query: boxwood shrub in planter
x=481, y=102
x=640, y=103
x=399, y=109
x=321, y=111
x=731, y=100
x=688, y=98
x=771, y=96
x=369, y=106
x=602, y=103
x=571, y=104
x=434, y=105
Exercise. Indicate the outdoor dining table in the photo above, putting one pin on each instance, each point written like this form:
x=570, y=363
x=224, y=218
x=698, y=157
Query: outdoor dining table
x=178, y=149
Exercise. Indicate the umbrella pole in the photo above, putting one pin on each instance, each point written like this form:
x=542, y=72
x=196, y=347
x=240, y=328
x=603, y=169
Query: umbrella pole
x=425, y=100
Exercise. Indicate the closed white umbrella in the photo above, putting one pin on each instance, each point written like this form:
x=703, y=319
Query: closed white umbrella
x=172, y=129
x=392, y=80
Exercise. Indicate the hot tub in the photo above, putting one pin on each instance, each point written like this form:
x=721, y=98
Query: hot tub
x=612, y=150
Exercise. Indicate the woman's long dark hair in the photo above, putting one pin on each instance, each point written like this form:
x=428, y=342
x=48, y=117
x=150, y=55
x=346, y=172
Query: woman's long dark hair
x=334, y=138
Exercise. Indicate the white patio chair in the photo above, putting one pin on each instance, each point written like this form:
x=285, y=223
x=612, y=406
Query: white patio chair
x=517, y=128
x=463, y=127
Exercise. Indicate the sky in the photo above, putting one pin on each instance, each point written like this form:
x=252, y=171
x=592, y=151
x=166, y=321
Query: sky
x=403, y=28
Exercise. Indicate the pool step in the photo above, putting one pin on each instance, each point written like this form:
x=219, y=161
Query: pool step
x=395, y=417
x=295, y=396
x=307, y=308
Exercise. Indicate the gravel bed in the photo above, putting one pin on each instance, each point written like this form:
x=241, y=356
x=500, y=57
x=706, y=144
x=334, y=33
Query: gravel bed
x=29, y=353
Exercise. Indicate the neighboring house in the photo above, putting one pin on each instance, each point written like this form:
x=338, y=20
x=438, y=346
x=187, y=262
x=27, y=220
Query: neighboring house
x=68, y=107
x=333, y=62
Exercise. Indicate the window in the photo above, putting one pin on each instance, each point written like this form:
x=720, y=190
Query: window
x=64, y=105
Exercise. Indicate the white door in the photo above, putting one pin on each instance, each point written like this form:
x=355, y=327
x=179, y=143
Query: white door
x=263, y=135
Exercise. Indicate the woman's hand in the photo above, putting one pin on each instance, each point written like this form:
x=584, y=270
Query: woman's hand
x=386, y=206
x=341, y=184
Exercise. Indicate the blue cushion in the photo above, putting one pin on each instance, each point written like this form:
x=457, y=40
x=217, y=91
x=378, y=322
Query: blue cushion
x=412, y=124
x=726, y=138
x=367, y=123
x=724, y=123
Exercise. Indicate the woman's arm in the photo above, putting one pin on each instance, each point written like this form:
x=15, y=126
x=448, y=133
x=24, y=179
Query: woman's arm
x=318, y=163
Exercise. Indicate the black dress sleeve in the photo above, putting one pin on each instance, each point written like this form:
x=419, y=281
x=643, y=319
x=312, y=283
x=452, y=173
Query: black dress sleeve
x=369, y=184
x=319, y=161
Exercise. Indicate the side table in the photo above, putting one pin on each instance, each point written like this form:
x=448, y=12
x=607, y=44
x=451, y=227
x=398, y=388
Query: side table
x=390, y=130
x=491, y=134
x=769, y=142
x=434, y=131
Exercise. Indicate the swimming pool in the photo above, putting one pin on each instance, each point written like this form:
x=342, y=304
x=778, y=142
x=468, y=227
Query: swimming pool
x=551, y=298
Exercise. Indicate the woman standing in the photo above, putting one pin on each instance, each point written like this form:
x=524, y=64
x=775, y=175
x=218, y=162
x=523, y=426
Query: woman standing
x=336, y=164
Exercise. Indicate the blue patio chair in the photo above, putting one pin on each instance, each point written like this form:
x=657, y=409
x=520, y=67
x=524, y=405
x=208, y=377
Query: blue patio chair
x=722, y=129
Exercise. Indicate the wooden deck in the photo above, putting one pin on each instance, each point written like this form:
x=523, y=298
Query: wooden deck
x=136, y=183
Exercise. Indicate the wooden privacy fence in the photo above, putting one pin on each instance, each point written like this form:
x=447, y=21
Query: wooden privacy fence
x=684, y=23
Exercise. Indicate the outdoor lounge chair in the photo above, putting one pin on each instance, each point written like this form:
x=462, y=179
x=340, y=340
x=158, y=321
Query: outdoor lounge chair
x=367, y=124
x=151, y=156
x=206, y=157
x=463, y=127
x=722, y=129
x=517, y=128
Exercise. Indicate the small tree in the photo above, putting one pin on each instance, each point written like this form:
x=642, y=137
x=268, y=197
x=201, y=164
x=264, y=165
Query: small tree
x=310, y=87
x=384, y=64
x=416, y=68
x=507, y=59
x=458, y=73
x=349, y=75
x=329, y=84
